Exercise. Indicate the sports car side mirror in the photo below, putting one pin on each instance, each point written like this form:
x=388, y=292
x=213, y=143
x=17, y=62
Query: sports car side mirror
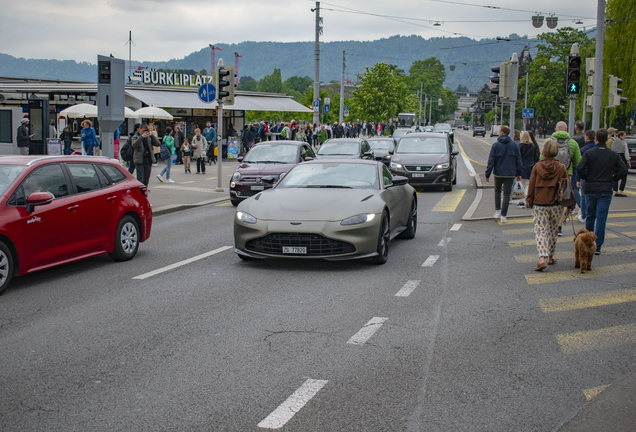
x=455, y=152
x=308, y=158
x=391, y=152
x=368, y=155
x=400, y=181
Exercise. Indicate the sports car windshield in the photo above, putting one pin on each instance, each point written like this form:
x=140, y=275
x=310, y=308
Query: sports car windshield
x=421, y=145
x=8, y=173
x=272, y=153
x=381, y=145
x=339, y=148
x=332, y=175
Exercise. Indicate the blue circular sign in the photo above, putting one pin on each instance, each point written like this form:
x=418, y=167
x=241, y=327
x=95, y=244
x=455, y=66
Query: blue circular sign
x=207, y=93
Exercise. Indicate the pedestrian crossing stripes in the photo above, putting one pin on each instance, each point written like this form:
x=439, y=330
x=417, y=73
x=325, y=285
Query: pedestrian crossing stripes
x=607, y=250
x=609, y=337
x=564, y=239
x=531, y=220
x=583, y=301
x=450, y=201
x=575, y=274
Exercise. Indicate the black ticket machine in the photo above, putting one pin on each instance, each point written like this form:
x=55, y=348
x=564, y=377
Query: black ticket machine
x=38, y=125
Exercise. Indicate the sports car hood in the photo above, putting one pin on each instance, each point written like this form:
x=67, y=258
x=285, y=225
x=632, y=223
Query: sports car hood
x=301, y=204
x=355, y=156
x=261, y=169
x=420, y=159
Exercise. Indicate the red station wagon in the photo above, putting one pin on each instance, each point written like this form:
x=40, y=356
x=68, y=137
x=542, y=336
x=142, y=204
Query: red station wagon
x=59, y=209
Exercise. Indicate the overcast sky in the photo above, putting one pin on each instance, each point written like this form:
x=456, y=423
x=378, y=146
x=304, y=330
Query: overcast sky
x=166, y=29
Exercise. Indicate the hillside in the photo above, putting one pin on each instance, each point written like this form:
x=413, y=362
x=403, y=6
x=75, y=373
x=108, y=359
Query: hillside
x=472, y=59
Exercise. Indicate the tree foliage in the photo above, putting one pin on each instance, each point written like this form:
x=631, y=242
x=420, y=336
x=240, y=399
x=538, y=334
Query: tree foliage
x=429, y=75
x=382, y=94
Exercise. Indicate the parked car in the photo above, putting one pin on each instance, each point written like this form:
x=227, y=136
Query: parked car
x=345, y=148
x=269, y=158
x=335, y=209
x=494, y=130
x=631, y=145
x=479, y=131
x=426, y=159
x=59, y=209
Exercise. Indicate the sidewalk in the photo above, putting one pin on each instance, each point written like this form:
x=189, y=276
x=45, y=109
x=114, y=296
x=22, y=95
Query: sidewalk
x=188, y=190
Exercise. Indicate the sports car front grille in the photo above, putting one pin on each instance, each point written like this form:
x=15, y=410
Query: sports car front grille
x=316, y=245
x=422, y=168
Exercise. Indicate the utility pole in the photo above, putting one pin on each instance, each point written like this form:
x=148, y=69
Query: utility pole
x=574, y=51
x=219, y=131
x=513, y=92
x=421, y=90
x=598, y=66
x=430, y=110
x=317, y=65
x=341, y=116
x=525, y=105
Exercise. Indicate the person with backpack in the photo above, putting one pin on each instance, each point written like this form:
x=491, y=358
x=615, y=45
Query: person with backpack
x=210, y=137
x=505, y=162
x=165, y=152
x=570, y=156
x=179, y=137
x=67, y=138
x=88, y=137
x=530, y=155
x=127, y=151
x=599, y=167
x=144, y=156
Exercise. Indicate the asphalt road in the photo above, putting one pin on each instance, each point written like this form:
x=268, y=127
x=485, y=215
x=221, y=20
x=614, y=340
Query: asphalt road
x=473, y=341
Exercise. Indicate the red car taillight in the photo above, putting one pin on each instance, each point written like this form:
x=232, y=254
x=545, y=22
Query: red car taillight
x=144, y=190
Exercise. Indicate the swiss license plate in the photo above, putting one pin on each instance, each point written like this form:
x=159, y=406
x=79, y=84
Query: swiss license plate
x=257, y=188
x=294, y=250
x=419, y=175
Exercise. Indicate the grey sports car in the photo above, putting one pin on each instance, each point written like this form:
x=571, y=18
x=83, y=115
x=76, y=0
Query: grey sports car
x=331, y=209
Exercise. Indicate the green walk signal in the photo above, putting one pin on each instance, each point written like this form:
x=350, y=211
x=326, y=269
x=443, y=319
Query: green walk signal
x=573, y=75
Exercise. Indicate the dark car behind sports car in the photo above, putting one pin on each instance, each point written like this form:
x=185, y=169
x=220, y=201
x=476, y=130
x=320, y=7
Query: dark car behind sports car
x=345, y=148
x=479, y=131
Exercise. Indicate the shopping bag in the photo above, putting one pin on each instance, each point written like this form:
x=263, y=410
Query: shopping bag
x=518, y=192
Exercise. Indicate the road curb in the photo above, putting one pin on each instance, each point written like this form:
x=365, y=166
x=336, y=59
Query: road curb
x=173, y=208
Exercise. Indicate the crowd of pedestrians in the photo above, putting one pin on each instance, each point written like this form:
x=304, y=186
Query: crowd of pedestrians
x=593, y=163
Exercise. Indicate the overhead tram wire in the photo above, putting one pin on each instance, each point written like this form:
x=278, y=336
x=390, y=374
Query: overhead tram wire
x=505, y=8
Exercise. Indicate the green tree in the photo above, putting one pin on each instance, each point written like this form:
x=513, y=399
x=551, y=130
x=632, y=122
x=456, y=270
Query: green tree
x=296, y=83
x=619, y=55
x=272, y=83
x=429, y=75
x=382, y=94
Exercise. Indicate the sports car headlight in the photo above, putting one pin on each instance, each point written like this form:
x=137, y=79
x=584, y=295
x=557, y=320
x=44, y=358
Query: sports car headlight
x=396, y=165
x=442, y=166
x=236, y=176
x=358, y=219
x=245, y=217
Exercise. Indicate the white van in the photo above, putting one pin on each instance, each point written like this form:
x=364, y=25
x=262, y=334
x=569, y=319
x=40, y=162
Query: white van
x=494, y=130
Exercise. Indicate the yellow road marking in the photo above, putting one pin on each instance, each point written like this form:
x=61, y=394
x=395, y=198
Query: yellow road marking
x=210, y=178
x=621, y=224
x=629, y=193
x=224, y=204
x=466, y=156
x=518, y=231
x=450, y=201
x=564, y=239
x=593, y=392
x=609, y=337
x=583, y=301
x=191, y=181
x=631, y=187
x=630, y=233
x=531, y=220
x=575, y=274
x=479, y=139
x=157, y=187
x=607, y=250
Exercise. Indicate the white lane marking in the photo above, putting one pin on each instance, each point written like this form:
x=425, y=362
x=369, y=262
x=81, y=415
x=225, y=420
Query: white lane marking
x=444, y=242
x=408, y=288
x=292, y=405
x=430, y=260
x=367, y=331
x=182, y=263
x=469, y=166
x=456, y=227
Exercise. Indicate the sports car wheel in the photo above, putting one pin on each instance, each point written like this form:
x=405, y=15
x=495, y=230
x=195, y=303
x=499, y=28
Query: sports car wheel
x=411, y=223
x=6, y=267
x=383, y=240
x=126, y=239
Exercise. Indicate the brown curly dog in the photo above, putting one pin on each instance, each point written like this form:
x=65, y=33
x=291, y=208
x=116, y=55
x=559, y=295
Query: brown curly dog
x=584, y=248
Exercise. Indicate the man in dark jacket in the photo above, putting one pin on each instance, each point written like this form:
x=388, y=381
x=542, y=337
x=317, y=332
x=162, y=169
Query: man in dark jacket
x=599, y=167
x=24, y=139
x=579, y=133
x=505, y=161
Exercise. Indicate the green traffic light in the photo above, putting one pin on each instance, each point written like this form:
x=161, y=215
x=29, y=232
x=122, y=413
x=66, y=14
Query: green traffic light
x=573, y=88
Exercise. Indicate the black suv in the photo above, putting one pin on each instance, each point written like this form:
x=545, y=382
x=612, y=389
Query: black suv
x=479, y=131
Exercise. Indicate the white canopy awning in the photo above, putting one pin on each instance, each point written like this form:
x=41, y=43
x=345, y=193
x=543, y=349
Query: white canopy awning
x=177, y=99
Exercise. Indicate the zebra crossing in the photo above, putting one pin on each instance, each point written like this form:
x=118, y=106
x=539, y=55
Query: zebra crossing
x=598, y=290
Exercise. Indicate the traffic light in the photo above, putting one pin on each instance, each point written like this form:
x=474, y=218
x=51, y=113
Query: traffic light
x=615, y=98
x=225, y=84
x=483, y=104
x=573, y=82
x=503, y=79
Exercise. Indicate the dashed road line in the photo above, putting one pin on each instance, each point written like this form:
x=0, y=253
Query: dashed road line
x=408, y=288
x=181, y=263
x=593, y=392
x=575, y=274
x=609, y=337
x=186, y=182
x=583, y=301
x=432, y=259
x=294, y=403
x=456, y=227
x=369, y=329
x=444, y=242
